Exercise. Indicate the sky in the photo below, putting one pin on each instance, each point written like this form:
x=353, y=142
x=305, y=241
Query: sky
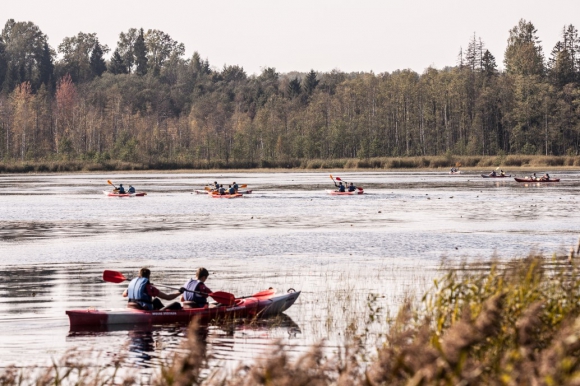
x=300, y=35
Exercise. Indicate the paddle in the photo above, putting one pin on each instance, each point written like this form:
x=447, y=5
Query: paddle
x=110, y=183
x=268, y=292
x=221, y=297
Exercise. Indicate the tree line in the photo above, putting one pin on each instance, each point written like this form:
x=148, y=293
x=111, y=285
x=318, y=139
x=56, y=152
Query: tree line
x=149, y=103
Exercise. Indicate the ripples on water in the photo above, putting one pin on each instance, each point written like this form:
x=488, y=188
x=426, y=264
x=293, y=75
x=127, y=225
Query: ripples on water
x=59, y=232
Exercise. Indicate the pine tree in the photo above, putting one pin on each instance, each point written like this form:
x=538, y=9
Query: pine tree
x=140, y=52
x=310, y=82
x=489, y=67
x=117, y=64
x=294, y=88
x=523, y=55
x=3, y=63
x=46, y=68
x=98, y=65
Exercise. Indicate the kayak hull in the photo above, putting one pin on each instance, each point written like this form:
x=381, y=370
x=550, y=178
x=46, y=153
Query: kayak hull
x=237, y=195
x=199, y=191
x=335, y=193
x=243, y=308
x=459, y=172
x=113, y=194
x=488, y=176
x=540, y=180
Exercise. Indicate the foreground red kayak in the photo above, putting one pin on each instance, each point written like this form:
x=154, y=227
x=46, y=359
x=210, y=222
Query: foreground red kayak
x=115, y=194
x=538, y=180
x=255, y=306
x=335, y=193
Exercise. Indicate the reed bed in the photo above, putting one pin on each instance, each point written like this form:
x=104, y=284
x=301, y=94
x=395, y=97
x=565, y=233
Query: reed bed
x=382, y=163
x=510, y=323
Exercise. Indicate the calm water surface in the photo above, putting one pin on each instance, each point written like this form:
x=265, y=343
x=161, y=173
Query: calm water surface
x=59, y=232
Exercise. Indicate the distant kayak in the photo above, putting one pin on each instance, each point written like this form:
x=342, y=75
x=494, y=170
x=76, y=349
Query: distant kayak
x=457, y=172
x=335, y=193
x=237, y=195
x=538, y=180
x=114, y=194
x=260, y=306
x=496, y=176
x=199, y=191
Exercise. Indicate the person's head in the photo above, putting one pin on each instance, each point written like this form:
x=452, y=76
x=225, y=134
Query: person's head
x=340, y=183
x=229, y=186
x=351, y=184
x=120, y=185
x=130, y=186
x=221, y=186
x=201, y=274
x=234, y=182
x=145, y=272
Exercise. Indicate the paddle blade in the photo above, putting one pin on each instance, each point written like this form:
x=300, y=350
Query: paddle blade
x=338, y=179
x=359, y=188
x=109, y=182
x=268, y=292
x=331, y=177
x=223, y=297
x=243, y=186
x=113, y=276
x=207, y=188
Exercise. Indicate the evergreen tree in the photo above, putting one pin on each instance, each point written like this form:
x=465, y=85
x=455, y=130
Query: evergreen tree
x=3, y=63
x=46, y=68
x=561, y=66
x=117, y=64
x=489, y=67
x=140, y=53
x=294, y=88
x=310, y=82
x=524, y=55
x=98, y=65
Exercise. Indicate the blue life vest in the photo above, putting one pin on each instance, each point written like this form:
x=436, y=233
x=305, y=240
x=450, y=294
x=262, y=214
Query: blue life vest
x=191, y=285
x=232, y=191
x=121, y=190
x=131, y=190
x=351, y=188
x=137, y=293
x=236, y=187
x=341, y=188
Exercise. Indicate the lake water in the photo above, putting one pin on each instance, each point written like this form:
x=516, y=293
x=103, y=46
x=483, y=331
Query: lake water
x=59, y=232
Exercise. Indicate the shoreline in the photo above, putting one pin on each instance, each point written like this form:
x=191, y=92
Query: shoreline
x=382, y=164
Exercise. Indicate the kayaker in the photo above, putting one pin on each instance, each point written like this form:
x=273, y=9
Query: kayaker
x=216, y=186
x=131, y=189
x=340, y=187
x=197, y=300
x=453, y=170
x=493, y=173
x=222, y=190
x=534, y=178
x=146, y=296
x=121, y=189
x=546, y=177
x=236, y=187
x=351, y=187
x=502, y=173
x=232, y=190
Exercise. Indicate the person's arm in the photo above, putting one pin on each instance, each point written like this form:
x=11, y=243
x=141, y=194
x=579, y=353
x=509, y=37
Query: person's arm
x=154, y=292
x=125, y=293
x=204, y=290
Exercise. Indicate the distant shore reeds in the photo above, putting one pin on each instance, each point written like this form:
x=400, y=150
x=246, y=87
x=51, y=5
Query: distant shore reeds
x=379, y=163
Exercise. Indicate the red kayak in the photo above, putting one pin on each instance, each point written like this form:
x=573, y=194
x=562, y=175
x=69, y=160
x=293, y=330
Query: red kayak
x=114, y=194
x=237, y=195
x=496, y=176
x=336, y=193
x=538, y=180
x=264, y=305
x=199, y=191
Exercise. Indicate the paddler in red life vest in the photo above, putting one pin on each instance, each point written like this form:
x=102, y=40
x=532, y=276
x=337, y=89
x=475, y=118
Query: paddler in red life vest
x=142, y=293
x=197, y=299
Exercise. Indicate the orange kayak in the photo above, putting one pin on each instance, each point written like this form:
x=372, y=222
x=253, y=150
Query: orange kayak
x=227, y=195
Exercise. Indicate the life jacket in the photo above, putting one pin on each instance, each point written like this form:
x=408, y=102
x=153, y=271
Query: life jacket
x=222, y=191
x=121, y=190
x=137, y=293
x=351, y=188
x=236, y=187
x=232, y=191
x=341, y=188
x=191, y=285
x=131, y=190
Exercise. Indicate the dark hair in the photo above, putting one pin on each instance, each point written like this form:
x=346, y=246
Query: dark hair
x=145, y=272
x=201, y=272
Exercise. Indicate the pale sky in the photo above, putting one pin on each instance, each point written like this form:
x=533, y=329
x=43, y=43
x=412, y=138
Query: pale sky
x=300, y=35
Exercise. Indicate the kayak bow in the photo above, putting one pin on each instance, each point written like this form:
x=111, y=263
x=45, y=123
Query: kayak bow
x=113, y=194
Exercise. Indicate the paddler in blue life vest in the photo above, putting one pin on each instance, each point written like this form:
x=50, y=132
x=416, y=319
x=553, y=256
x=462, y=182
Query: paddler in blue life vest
x=121, y=189
x=340, y=187
x=231, y=190
x=142, y=293
x=196, y=299
x=131, y=189
x=351, y=187
x=222, y=190
x=236, y=187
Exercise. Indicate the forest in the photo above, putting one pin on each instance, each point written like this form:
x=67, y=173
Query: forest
x=145, y=101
